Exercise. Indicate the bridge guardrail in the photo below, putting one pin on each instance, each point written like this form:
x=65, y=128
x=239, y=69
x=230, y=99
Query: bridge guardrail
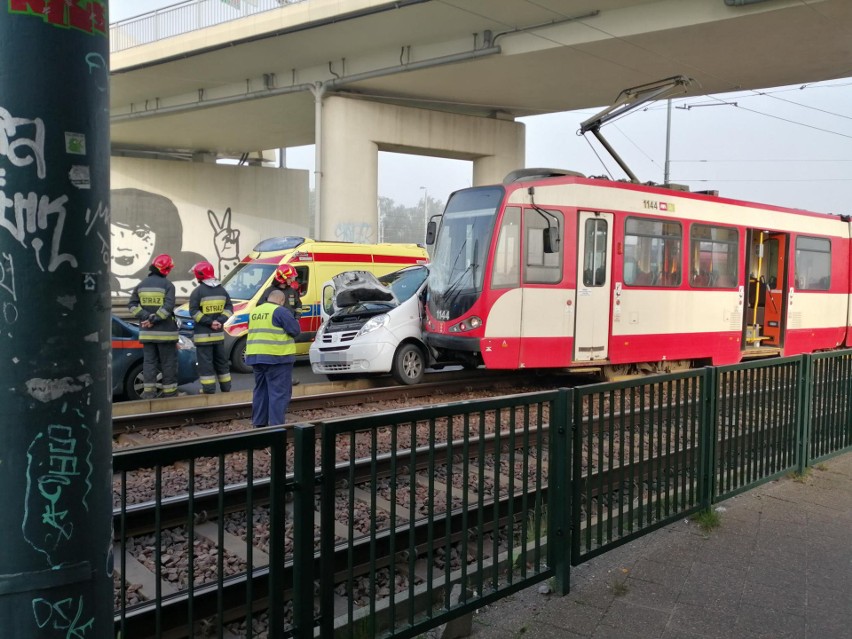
x=184, y=17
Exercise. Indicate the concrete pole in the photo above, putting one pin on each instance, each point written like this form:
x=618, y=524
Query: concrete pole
x=55, y=386
x=318, y=93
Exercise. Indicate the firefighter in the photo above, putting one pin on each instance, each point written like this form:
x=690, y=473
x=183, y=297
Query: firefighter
x=152, y=302
x=285, y=281
x=210, y=306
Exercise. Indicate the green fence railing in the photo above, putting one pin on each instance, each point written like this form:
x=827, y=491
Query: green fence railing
x=637, y=458
x=827, y=420
x=465, y=478
x=186, y=556
x=757, y=408
x=391, y=524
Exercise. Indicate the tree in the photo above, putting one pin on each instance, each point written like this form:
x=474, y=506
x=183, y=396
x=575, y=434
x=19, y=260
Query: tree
x=400, y=223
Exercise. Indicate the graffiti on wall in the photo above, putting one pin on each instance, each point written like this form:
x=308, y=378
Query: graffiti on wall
x=361, y=232
x=226, y=241
x=144, y=225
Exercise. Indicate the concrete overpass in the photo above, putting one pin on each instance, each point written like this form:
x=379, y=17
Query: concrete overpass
x=445, y=77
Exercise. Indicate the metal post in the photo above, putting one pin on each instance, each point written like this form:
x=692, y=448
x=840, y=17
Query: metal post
x=803, y=413
x=666, y=171
x=560, y=505
x=55, y=435
x=328, y=461
x=303, y=532
x=425, y=209
x=708, y=434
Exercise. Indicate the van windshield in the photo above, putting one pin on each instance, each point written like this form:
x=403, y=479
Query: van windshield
x=246, y=279
x=405, y=283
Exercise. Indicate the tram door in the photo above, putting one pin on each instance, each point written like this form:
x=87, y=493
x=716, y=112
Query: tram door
x=767, y=301
x=774, y=304
x=592, y=309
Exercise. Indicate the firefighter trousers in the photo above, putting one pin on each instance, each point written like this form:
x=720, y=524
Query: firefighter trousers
x=213, y=367
x=159, y=357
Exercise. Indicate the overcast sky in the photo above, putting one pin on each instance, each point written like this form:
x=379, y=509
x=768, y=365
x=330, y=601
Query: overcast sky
x=790, y=146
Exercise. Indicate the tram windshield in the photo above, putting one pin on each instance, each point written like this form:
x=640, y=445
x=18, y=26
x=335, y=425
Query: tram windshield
x=461, y=249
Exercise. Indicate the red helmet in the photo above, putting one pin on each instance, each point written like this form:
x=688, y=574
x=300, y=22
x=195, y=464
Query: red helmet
x=203, y=271
x=285, y=272
x=163, y=263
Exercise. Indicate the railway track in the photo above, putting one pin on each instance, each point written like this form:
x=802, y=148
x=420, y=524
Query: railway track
x=129, y=417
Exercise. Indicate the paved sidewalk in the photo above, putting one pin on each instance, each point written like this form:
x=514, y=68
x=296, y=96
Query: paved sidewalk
x=779, y=566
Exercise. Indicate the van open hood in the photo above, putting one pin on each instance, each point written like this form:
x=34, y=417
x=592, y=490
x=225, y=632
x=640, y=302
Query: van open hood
x=355, y=287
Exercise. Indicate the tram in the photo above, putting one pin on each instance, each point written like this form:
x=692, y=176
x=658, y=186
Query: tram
x=554, y=270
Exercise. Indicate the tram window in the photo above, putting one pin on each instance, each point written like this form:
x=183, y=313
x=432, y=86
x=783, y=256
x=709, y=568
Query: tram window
x=541, y=267
x=506, y=270
x=652, y=252
x=813, y=263
x=713, y=256
x=595, y=243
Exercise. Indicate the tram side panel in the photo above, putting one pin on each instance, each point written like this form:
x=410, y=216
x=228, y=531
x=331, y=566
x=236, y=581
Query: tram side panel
x=664, y=307
x=529, y=321
x=817, y=293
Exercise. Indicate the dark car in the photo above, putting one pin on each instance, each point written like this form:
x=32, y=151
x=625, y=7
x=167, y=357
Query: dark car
x=127, y=360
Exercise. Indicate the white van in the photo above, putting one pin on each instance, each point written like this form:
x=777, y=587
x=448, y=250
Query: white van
x=373, y=325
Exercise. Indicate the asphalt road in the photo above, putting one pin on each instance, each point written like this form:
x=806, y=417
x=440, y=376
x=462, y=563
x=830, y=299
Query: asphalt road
x=245, y=381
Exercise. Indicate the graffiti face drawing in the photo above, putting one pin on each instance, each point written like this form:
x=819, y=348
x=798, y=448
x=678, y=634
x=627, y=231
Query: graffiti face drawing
x=132, y=249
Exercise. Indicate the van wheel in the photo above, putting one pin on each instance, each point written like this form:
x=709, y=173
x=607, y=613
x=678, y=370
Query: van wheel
x=408, y=364
x=238, y=357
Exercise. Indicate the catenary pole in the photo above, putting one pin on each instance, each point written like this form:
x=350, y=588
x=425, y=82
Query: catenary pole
x=55, y=410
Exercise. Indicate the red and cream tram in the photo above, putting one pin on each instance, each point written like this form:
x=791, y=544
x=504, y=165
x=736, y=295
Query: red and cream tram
x=554, y=270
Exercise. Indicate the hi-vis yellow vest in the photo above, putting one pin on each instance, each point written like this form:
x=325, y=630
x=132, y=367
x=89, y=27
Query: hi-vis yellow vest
x=264, y=338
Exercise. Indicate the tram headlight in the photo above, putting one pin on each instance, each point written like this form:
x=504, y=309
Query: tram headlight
x=373, y=323
x=466, y=325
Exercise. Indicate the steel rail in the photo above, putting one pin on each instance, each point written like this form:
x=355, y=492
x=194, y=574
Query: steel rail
x=191, y=414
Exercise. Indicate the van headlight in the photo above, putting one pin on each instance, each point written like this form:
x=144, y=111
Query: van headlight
x=373, y=323
x=185, y=344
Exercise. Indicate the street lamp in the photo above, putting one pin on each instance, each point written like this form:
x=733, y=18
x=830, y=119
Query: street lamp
x=425, y=208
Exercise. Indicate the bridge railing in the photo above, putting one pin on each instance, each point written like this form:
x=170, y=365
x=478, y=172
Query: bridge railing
x=184, y=17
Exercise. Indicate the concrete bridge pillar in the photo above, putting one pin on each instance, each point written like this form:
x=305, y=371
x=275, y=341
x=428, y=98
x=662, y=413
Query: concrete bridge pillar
x=354, y=131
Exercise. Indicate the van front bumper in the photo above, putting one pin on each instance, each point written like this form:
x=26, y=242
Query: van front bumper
x=375, y=357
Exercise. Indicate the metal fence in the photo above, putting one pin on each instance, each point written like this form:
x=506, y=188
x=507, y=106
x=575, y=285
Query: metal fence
x=213, y=570
x=827, y=385
x=638, y=458
x=467, y=478
x=758, y=407
x=398, y=522
x=183, y=18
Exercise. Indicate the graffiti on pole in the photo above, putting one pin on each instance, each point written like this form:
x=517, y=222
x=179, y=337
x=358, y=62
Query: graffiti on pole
x=88, y=16
x=34, y=221
x=59, y=470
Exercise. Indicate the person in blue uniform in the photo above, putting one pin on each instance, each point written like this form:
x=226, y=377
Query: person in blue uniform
x=271, y=352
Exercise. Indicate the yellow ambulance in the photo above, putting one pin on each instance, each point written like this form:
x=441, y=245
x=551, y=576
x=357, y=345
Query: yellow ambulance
x=315, y=262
